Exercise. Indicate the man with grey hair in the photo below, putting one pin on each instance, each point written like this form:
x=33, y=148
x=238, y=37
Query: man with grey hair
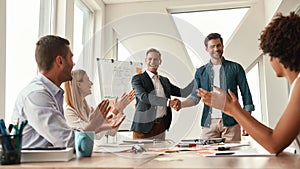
x=153, y=113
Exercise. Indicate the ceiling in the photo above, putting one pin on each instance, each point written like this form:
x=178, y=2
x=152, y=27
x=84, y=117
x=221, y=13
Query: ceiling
x=134, y=1
x=125, y=1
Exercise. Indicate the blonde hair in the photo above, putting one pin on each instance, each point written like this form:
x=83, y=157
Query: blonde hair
x=73, y=96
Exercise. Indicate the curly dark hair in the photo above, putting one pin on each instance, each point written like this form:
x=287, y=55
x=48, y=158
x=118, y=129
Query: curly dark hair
x=281, y=39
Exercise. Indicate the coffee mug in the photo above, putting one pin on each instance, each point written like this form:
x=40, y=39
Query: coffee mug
x=84, y=143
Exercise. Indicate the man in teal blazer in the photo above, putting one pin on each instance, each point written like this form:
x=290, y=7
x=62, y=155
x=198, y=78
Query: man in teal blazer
x=153, y=113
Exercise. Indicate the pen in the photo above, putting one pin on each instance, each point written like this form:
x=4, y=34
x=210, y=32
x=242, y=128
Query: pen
x=224, y=153
x=10, y=127
x=19, y=132
x=23, y=124
x=191, y=140
x=228, y=147
x=186, y=145
x=2, y=127
x=5, y=138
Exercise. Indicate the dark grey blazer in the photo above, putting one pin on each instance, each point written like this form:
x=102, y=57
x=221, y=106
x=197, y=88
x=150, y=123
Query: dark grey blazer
x=147, y=101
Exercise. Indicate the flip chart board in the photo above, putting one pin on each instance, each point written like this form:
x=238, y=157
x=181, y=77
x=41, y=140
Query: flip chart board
x=115, y=79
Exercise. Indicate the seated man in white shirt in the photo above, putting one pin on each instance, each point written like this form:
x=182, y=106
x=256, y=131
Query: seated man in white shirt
x=41, y=101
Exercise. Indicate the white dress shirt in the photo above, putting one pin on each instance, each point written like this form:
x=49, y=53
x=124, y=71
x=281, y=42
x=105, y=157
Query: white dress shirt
x=159, y=91
x=41, y=103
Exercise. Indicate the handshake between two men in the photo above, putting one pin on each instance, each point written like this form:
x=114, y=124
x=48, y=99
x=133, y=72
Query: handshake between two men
x=175, y=104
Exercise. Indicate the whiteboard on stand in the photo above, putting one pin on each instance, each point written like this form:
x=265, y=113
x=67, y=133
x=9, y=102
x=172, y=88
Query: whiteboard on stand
x=115, y=80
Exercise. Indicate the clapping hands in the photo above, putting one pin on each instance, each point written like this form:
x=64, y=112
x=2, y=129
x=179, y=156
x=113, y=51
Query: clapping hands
x=120, y=105
x=99, y=121
x=219, y=99
x=99, y=118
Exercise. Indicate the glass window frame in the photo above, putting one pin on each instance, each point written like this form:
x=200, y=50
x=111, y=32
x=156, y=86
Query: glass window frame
x=43, y=27
x=87, y=26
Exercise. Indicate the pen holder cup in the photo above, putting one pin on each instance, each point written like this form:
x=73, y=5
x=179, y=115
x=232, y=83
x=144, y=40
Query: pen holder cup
x=11, y=149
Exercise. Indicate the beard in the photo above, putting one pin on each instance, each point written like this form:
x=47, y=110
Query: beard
x=66, y=76
x=217, y=55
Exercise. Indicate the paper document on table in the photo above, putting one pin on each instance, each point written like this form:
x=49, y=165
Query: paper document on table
x=204, y=141
x=240, y=153
x=139, y=141
x=230, y=146
x=116, y=149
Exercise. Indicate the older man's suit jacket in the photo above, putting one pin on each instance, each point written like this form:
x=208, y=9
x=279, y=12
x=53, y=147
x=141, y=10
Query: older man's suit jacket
x=147, y=101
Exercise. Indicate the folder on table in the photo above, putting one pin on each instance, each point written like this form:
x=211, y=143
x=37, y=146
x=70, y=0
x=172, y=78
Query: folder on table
x=47, y=155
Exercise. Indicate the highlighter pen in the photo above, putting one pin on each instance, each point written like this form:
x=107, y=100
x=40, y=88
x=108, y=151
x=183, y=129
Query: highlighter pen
x=186, y=145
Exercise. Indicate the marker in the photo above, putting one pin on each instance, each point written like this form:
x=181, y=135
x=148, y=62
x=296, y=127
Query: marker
x=23, y=124
x=10, y=127
x=223, y=148
x=7, y=145
x=186, y=145
x=224, y=153
x=191, y=140
x=2, y=127
x=228, y=147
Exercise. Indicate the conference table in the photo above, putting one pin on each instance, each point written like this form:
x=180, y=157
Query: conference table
x=176, y=160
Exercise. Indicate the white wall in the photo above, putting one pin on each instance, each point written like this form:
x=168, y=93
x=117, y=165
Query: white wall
x=275, y=89
x=271, y=6
x=243, y=46
x=2, y=56
x=286, y=6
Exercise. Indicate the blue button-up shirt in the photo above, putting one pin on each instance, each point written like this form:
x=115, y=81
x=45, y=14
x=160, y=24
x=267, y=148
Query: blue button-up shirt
x=232, y=75
x=41, y=103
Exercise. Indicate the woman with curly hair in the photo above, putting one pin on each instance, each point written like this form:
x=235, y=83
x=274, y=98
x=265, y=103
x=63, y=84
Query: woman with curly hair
x=281, y=41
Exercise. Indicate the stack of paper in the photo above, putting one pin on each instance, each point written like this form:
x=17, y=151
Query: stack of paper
x=46, y=155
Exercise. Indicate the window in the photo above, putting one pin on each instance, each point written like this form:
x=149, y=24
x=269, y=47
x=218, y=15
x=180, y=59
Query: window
x=82, y=30
x=220, y=21
x=46, y=17
x=253, y=81
x=20, y=47
x=122, y=53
